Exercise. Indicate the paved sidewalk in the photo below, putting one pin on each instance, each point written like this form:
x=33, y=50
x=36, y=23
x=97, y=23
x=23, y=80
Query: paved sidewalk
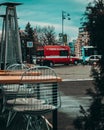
x=78, y=72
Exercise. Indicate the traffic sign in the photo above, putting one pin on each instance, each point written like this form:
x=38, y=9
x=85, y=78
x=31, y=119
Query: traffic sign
x=29, y=44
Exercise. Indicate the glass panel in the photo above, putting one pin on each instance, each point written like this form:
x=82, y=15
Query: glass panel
x=63, y=53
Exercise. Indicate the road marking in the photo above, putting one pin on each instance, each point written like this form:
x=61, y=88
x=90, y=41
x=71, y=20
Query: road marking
x=77, y=79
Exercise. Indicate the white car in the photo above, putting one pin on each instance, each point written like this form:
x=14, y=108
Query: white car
x=93, y=59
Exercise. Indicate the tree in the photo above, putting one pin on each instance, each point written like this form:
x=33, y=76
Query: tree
x=93, y=118
x=29, y=32
x=28, y=36
x=49, y=35
x=94, y=16
x=46, y=35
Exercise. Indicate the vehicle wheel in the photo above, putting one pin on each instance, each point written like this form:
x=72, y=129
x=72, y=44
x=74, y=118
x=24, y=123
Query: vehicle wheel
x=85, y=63
x=51, y=64
x=75, y=62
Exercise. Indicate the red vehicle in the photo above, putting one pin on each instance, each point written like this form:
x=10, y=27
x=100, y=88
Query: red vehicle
x=53, y=54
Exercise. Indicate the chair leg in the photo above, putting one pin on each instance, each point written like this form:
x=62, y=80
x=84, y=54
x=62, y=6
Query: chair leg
x=48, y=125
x=39, y=123
x=3, y=109
x=10, y=117
x=32, y=128
x=28, y=122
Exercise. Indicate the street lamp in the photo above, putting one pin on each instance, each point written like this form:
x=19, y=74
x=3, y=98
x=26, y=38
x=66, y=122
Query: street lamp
x=65, y=15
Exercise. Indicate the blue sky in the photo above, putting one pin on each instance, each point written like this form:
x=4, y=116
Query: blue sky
x=49, y=13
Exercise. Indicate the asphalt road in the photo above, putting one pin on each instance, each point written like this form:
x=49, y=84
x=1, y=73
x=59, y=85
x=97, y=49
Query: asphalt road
x=76, y=80
x=73, y=94
x=73, y=72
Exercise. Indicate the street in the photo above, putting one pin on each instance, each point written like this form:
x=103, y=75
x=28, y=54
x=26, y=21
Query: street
x=76, y=80
x=73, y=94
x=73, y=72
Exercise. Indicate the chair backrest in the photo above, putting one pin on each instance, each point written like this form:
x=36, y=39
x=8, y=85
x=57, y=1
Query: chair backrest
x=44, y=70
x=17, y=67
x=10, y=90
x=38, y=97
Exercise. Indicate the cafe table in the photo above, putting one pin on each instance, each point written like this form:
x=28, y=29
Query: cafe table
x=18, y=79
x=28, y=79
x=18, y=73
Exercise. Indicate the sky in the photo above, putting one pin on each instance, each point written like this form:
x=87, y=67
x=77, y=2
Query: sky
x=49, y=13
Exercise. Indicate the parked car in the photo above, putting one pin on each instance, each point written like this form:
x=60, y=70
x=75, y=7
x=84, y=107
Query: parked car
x=93, y=59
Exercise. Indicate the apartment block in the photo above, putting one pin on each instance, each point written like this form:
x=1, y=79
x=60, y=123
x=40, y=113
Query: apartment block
x=82, y=40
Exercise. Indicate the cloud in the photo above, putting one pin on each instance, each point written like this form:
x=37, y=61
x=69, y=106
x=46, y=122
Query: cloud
x=71, y=31
x=48, y=12
x=83, y=1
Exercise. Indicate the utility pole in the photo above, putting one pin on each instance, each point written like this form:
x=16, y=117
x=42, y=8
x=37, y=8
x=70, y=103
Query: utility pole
x=65, y=15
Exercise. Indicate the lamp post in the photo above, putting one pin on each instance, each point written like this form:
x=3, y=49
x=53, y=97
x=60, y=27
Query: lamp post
x=65, y=15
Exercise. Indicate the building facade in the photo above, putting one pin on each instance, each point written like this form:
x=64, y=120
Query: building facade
x=82, y=40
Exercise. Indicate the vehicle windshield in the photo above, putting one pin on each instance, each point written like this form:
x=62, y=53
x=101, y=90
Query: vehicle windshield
x=90, y=51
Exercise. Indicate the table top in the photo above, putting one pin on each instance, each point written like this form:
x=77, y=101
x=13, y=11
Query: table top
x=29, y=79
x=17, y=73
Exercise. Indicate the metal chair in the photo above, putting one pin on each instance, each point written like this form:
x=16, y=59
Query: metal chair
x=11, y=89
x=38, y=95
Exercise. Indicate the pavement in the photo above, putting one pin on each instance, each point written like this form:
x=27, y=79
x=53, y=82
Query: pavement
x=73, y=93
x=71, y=105
x=74, y=72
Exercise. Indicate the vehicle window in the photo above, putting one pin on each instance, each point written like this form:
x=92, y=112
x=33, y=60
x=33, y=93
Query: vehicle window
x=63, y=53
x=90, y=51
x=92, y=57
x=97, y=57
